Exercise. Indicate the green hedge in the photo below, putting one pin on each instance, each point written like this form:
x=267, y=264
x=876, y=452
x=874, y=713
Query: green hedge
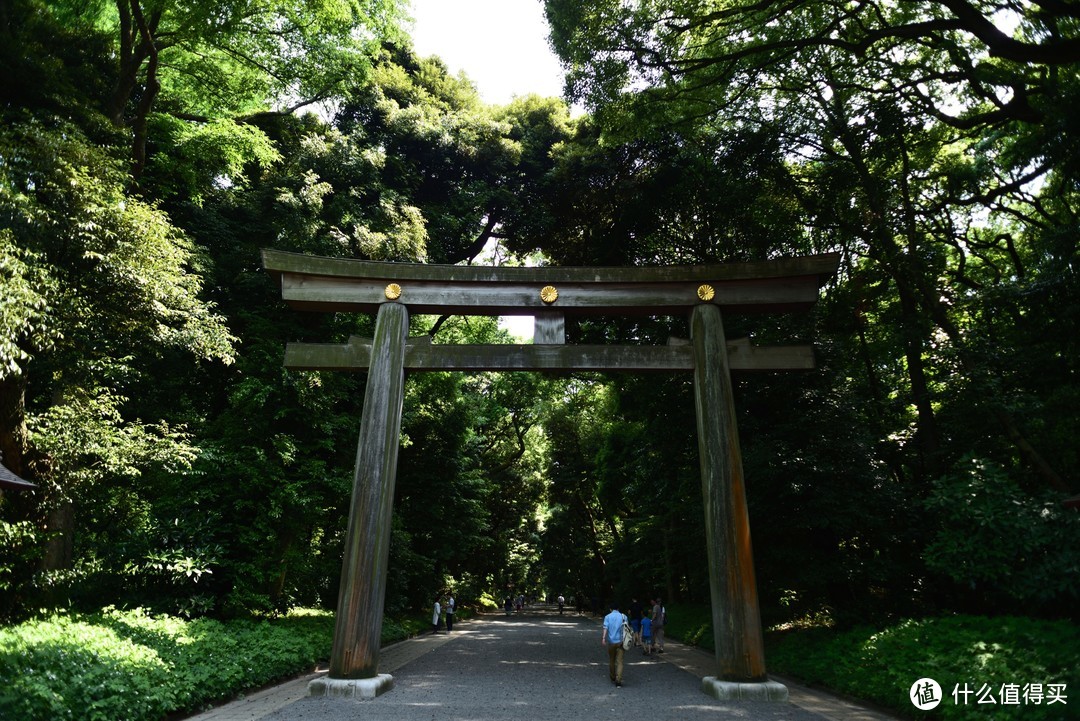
x=133, y=666
x=880, y=665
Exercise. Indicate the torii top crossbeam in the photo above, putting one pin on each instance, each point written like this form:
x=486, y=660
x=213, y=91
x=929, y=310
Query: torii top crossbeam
x=336, y=284
x=551, y=294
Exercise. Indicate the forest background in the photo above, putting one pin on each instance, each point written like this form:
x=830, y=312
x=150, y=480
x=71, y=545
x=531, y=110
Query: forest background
x=149, y=149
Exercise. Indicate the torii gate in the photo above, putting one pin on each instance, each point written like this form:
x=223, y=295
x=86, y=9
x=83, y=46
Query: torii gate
x=551, y=294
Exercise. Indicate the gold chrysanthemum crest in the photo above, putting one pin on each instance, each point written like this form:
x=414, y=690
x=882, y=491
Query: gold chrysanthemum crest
x=393, y=291
x=706, y=292
x=549, y=294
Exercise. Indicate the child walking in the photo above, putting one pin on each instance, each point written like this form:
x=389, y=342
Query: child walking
x=646, y=635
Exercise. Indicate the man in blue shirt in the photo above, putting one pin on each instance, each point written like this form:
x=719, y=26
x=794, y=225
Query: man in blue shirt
x=612, y=638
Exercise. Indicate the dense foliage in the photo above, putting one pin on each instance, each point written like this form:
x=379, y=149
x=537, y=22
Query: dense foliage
x=1014, y=661
x=149, y=150
x=933, y=453
x=130, y=665
x=180, y=467
x=1017, y=656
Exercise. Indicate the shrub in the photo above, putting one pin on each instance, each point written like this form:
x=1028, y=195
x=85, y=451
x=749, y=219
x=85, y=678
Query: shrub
x=130, y=665
x=999, y=543
x=65, y=668
x=880, y=665
x=690, y=623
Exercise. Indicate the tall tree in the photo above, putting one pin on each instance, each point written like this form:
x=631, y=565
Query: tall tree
x=211, y=60
x=966, y=62
x=855, y=96
x=406, y=172
x=106, y=280
x=468, y=168
x=922, y=141
x=108, y=302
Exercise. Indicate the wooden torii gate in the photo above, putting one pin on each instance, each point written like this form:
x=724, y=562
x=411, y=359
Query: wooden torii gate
x=551, y=294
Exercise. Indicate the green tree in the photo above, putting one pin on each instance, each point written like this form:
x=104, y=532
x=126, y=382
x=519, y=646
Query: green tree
x=410, y=152
x=927, y=146
x=109, y=312
x=106, y=280
x=201, y=62
x=1012, y=549
x=468, y=168
x=469, y=478
x=579, y=529
x=967, y=63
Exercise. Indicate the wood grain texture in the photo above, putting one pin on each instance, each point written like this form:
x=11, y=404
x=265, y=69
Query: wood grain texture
x=277, y=261
x=335, y=284
x=549, y=327
x=361, y=599
x=740, y=654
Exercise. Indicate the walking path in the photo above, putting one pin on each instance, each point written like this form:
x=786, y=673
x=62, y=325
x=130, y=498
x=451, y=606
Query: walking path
x=534, y=665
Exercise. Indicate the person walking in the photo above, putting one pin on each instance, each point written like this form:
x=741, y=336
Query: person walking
x=658, y=619
x=435, y=617
x=612, y=638
x=450, y=608
x=635, y=619
x=646, y=635
x=562, y=602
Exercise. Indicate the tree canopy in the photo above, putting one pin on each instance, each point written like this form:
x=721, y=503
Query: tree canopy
x=150, y=149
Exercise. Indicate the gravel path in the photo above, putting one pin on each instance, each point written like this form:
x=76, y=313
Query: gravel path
x=524, y=668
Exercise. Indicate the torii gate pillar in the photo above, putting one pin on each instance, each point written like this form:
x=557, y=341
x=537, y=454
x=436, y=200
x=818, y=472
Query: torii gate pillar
x=354, y=659
x=740, y=654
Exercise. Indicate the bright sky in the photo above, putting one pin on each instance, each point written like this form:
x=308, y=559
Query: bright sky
x=502, y=45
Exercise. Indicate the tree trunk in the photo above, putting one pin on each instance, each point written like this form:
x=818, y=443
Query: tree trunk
x=669, y=571
x=60, y=547
x=927, y=438
x=13, y=424
x=138, y=45
x=277, y=585
x=594, y=535
x=127, y=66
x=147, y=30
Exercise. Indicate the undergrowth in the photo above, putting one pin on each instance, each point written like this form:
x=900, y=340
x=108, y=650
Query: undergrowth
x=1011, y=660
x=134, y=666
x=1014, y=667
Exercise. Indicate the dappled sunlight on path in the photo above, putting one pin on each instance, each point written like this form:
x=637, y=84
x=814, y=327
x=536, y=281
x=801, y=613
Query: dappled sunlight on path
x=535, y=665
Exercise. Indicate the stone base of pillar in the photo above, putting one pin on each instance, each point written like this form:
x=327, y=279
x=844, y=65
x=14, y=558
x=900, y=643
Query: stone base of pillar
x=738, y=691
x=354, y=688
